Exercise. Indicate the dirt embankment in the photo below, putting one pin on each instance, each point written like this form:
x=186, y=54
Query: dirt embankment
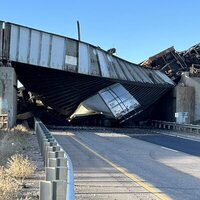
x=23, y=141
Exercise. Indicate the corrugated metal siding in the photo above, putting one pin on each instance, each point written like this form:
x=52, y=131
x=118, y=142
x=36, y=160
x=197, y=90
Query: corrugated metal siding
x=14, y=32
x=112, y=68
x=36, y=47
x=83, y=62
x=145, y=75
x=104, y=66
x=44, y=50
x=57, y=53
x=154, y=78
x=1, y=39
x=164, y=77
x=130, y=68
x=126, y=70
x=94, y=63
x=118, y=69
x=140, y=75
x=71, y=57
x=33, y=56
x=22, y=43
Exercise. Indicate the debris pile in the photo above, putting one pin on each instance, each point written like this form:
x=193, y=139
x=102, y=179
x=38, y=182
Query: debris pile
x=173, y=63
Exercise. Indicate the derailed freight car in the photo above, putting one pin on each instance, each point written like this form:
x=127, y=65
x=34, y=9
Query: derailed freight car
x=79, y=79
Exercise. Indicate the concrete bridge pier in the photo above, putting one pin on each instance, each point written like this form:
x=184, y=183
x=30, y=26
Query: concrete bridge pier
x=8, y=95
x=185, y=104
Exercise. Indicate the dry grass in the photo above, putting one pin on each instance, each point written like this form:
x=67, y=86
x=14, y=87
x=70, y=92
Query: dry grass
x=20, y=167
x=20, y=128
x=9, y=188
x=13, y=143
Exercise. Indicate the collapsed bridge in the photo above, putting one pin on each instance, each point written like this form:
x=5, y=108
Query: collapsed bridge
x=77, y=79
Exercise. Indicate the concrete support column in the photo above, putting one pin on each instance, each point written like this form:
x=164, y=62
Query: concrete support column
x=185, y=102
x=194, y=82
x=8, y=94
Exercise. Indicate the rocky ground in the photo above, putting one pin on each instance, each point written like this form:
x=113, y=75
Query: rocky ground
x=23, y=142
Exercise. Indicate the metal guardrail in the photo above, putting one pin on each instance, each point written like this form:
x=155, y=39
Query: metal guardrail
x=59, y=179
x=173, y=125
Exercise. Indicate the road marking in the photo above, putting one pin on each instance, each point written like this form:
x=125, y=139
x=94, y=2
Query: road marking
x=133, y=177
x=170, y=149
x=184, y=137
x=180, y=136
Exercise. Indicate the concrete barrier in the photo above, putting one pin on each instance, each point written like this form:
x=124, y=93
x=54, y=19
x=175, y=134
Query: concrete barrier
x=50, y=148
x=53, y=190
x=55, y=173
x=59, y=183
x=57, y=162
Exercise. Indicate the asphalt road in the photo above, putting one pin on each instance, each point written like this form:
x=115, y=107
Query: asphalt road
x=119, y=166
x=180, y=144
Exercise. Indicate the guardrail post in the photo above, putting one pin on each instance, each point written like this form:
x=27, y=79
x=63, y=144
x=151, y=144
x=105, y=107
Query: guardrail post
x=164, y=126
x=53, y=190
x=48, y=143
x=57, y=162
x=46, y=190
x=56, y=154
x=56, y=173
x=59, y=189
x=43, y=144
x=49, y=148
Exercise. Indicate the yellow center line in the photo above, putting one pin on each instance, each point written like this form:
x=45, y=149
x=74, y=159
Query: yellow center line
x=133, y=177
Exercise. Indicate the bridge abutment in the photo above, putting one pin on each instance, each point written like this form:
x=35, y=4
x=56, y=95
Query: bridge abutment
x=8, y=95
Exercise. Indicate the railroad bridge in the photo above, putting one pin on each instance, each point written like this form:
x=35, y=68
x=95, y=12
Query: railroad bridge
x=74, y=78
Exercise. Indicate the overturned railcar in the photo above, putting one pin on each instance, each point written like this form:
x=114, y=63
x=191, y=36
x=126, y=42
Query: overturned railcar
x=79, y=79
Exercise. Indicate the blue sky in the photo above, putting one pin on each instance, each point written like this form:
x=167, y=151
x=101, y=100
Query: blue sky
x=136, y=28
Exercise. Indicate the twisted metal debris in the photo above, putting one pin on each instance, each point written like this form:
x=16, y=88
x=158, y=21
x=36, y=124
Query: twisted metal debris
x=173, y=63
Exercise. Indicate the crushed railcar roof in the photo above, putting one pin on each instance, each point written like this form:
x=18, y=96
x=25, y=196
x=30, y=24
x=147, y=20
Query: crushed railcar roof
x=173, y=63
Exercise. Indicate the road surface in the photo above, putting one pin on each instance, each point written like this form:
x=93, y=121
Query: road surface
x=143, y=166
